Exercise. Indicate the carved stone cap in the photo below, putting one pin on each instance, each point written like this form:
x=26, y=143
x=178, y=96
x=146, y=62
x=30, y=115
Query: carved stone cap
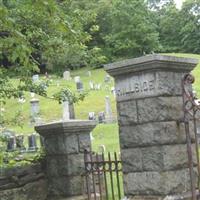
x=151, y=62
x=66, y=127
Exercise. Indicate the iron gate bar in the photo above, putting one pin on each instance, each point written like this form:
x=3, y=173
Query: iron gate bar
x=111, y=177
x=189, y=114
x=105, y=179
x=117, y=174
x=97, y=158
x=95, y=164
x=93, y=180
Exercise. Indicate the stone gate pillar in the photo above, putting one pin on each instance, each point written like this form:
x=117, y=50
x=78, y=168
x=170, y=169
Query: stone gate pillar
x=65, y=143
x=152, y=137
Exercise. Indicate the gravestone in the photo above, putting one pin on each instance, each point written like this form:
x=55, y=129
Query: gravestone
x=152, y=134
x=11, y=143
x=91, y=116
x=107, y=78
x=66, y=75
x=79, y=86
x=32, y=143
x=22, y=100
x=91, y=84
x=35, y=78
x=34, y=107
x=32, y=94
x=108, y=116
x=89, y=73
x=101, y=117
x=68, y=111
x=20, y=142
x=77, y=79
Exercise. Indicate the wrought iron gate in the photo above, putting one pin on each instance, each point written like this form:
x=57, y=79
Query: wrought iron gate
x=103, y=176
x=191, y=108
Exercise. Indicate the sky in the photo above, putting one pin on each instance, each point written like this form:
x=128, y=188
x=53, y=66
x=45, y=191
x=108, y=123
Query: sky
x=178, y=3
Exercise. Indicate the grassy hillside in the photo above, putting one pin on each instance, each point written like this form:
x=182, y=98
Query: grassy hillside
x=94, y=102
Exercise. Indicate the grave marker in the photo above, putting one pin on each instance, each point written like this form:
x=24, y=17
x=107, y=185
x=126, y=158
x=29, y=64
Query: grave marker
x=66, y=75
x=32, y=143
x=108, y=116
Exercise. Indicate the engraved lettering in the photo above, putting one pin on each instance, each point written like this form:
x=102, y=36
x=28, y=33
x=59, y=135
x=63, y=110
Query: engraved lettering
x=151, y=85
x=137, y=89
x=145, y=86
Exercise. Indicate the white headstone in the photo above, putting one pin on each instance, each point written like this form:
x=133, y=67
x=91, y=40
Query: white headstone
x=77, y=79
x=109, y=117
x=98, y=86
x=66, y=114
x=91, y=85
x=89, y=73
x=22, y=100
x=35, y=78
x=66, y=75
x=32, y=94
x=35, y=108
x=91, y=116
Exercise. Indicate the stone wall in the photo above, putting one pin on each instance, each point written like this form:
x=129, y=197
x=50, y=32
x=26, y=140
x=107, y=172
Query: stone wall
x=23, y=183
x=152, y=135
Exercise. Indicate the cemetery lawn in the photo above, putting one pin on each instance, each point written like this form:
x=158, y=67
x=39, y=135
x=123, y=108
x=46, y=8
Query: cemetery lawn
x=50, y=110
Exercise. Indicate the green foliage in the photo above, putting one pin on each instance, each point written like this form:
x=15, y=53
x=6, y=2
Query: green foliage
x=132, y=33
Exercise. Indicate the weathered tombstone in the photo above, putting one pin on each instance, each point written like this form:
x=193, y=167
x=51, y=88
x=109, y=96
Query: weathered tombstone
x=91, y=116
x=97, y=86
x=35, y=78
x=79, y=86
x=152, y=131
x=108, y=116
x=89, y=73
x=77, y=79
x=107, y=78
x=91, y=85
x=65, y=143
x=65, y=110
x=20, y=142
x=32, y=143
x=66, y=75
x=32, y=94
x=46, y=75
x=11, y=143
x=21, y=100
x=34, y=109
x=68, y=111
x=101, y=117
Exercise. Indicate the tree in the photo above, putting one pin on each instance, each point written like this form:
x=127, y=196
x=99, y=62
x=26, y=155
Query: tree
x=190, y=31
x=132, y=32
x=169, y=26
x=35, y=33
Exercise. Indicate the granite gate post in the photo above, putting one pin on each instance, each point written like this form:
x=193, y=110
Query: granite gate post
x=65, y=143
x=152, y=136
